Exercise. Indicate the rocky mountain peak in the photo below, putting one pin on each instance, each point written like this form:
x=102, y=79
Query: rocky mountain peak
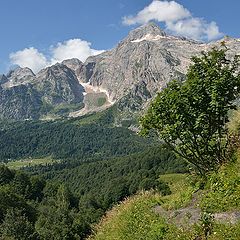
x=3, y=79
x=20, y=73
x=58, y=84
x=149, y=29
x=129, y=75
x=54, y=72
x=73, y=63
x=18, y=76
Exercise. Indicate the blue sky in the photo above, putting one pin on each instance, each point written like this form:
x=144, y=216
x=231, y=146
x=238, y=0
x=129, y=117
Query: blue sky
x=44, y=28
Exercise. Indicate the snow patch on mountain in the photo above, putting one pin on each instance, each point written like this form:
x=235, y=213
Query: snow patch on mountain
x=150, y=37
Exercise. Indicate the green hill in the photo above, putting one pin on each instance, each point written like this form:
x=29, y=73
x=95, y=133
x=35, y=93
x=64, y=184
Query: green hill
x=148, y=215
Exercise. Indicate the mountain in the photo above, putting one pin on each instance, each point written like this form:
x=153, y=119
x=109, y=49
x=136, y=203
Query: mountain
x=24, y=95
x=58, y=84
x=3, y=79
x=129, y=75
x=19, y=76
x=20, y=102
x=142, y=64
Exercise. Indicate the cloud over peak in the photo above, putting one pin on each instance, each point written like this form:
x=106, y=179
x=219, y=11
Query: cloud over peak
x=161, y=11
x=195, y=28
x=178, y=20
x=35, y=60
x=29, y=57
x=73, y=48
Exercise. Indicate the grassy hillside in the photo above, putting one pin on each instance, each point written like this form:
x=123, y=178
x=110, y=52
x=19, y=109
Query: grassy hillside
x=148, y=215
x=24, y=163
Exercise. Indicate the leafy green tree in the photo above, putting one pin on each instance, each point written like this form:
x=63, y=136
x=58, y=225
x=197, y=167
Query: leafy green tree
x=37, y=186
x=6, y=175
x=54, y=223
x=9, y=199
x=57, y=218
x=191, y=116
x=21, y=184
x=17, y=226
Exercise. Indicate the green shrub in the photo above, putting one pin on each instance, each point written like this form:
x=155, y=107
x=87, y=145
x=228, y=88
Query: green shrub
x=223, y=190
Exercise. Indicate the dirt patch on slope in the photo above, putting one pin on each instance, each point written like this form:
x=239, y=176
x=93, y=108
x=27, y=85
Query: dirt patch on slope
x=186, y=217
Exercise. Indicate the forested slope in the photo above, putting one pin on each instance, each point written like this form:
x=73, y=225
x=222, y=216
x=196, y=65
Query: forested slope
x=80, y=138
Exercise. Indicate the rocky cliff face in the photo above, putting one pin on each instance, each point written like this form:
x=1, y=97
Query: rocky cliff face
x=24, y=95
x=130, y=74
x=20, y=102
x=58, y=84
x=19, y=76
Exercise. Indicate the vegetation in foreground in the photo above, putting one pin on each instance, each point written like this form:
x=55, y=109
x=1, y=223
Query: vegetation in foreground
x=135, y=217
x=99, y=165
x=191, y=116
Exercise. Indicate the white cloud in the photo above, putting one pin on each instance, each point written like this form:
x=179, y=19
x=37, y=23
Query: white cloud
x=195, y=28
x=73, y=48
x=35, y=60
x=212, y=31
x=161, y=11
x=177, y=19
x=29, y=57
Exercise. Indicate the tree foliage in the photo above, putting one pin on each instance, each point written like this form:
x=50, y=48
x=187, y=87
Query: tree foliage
x=17, y=226
x=191, y=116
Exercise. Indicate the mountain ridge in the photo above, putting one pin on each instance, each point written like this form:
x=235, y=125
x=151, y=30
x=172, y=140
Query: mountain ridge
x=128, y=75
